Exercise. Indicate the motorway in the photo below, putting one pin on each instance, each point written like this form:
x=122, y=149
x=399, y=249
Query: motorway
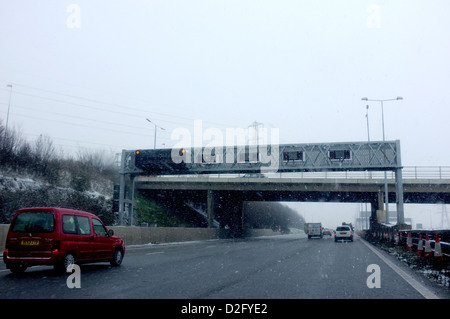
x=282, y=267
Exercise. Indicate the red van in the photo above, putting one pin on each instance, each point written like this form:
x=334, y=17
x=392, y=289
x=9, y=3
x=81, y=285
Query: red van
x=59, y=237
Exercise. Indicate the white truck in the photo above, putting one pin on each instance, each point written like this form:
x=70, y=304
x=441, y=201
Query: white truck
x=313, y=230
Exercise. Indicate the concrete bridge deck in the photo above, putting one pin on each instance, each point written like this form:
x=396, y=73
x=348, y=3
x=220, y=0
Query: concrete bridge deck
x=285, y=188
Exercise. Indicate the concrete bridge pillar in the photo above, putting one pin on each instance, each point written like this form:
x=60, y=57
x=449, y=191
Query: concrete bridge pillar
x=228, y=210
x=399, y=196
x=375, y=204
x=381, y=200
x=210, y=207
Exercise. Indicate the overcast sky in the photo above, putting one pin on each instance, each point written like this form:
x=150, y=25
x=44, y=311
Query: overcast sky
x=89, y=73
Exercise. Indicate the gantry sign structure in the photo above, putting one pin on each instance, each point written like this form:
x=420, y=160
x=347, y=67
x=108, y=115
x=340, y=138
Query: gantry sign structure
x=249, y=159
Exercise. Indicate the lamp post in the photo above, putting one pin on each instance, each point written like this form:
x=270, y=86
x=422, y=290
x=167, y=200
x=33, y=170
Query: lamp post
x=9, y=105
x=386, y=193
x=367, y=119
x=366, y=217
x=156, y=126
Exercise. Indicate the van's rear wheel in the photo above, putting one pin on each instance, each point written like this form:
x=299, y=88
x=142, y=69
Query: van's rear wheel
x=117, y=257
x=69, y=261
x=66, y=263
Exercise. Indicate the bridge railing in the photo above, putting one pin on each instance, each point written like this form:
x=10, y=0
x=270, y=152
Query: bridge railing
x=408, y=172
x=426, y=172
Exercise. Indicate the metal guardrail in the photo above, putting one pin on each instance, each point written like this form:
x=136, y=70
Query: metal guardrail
x=391, y=234
x=444, y=236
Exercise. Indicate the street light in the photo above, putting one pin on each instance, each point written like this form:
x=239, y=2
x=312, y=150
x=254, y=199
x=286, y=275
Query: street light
x=370, y=174
x=367, y=120
x=382, y=110
x=156, y=126
x=9, y=105
x=386, y=193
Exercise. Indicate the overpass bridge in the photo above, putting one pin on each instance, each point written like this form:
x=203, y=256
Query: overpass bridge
x=422, y=185
x=353, y=188
x=344, y=172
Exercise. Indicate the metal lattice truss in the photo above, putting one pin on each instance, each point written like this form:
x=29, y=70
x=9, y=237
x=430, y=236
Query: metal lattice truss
x=354, y=156
x=343, y=156
x=268, y=158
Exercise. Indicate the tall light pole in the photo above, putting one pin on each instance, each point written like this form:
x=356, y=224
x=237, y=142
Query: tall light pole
x=9, y=105
x=367, y=119
x=366, y=219
x=386, y=193
x=156, y=126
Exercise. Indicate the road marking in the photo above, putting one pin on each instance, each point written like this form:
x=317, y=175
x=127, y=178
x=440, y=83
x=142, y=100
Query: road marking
x=424, y=291
x=155, y=253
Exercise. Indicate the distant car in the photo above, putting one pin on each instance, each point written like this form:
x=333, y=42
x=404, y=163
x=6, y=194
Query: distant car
x=59, y=237
x=326, y=231
x=343, y=232
x=314, y=230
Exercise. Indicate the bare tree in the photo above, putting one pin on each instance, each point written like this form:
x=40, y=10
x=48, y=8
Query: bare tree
x=11, y=142
x=45, y=161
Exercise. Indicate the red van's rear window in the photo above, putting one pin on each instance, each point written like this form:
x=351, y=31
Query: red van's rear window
x=34, y=222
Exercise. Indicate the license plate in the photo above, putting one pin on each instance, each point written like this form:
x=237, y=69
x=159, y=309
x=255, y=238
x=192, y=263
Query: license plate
x=343, y=233
x=28, y=242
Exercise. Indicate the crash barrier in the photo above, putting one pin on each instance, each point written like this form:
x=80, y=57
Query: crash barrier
x=3, y=232
x=426, y=243
x=148, y=235
x=435, y=243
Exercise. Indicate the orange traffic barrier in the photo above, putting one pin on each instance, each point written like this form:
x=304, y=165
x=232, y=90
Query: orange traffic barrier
x=420, y=246
x=437, y=248
x=409, y=242
x=427, y=253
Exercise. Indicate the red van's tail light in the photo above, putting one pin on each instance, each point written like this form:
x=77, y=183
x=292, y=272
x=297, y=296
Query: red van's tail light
x=56, y=246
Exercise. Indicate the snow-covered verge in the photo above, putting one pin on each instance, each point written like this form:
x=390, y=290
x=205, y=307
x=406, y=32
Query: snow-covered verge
x=16, y=184
x=434, y=270
x=18, y=191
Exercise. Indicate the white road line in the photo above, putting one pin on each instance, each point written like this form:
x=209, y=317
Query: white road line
x=156, y=252
x=424, y=291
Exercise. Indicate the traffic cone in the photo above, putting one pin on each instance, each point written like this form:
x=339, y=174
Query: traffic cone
x=409, y=242
x=420, y=246
x=437, y=248
x=427, y=253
